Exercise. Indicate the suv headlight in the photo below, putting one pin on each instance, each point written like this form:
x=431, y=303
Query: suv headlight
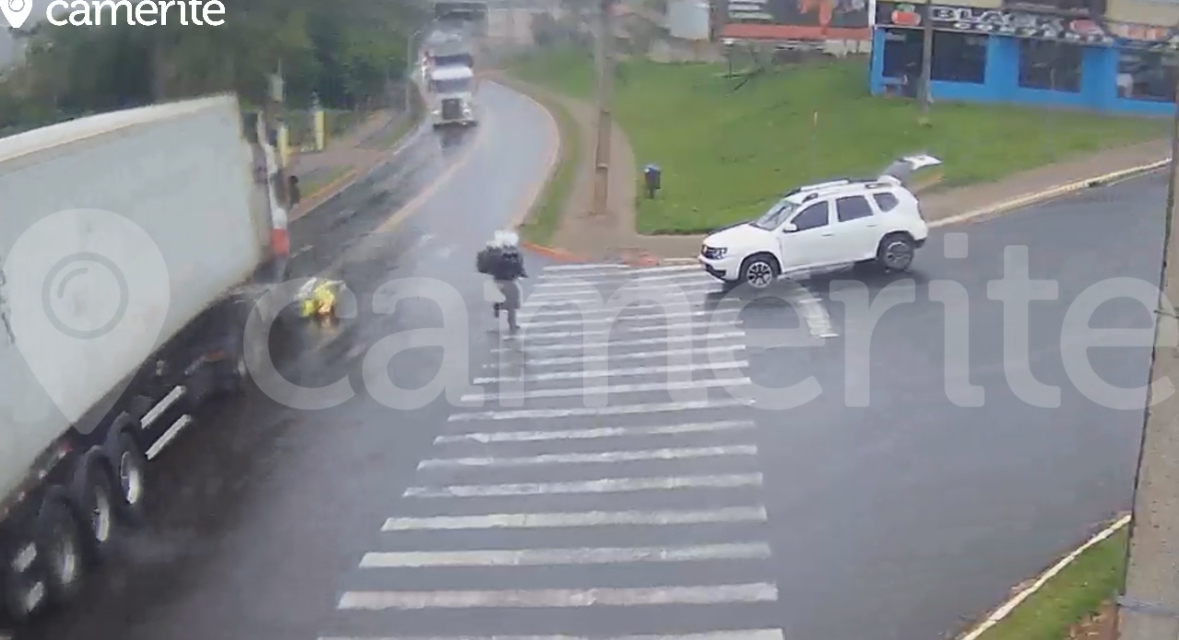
x=714, y=253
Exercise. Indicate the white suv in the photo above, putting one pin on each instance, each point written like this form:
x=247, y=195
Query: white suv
x=825, y=225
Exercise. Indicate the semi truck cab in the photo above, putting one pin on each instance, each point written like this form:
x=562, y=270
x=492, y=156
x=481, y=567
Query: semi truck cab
x=452, y=91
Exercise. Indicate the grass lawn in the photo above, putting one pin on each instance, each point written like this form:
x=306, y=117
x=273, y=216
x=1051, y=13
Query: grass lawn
x=545, y=218
x=1070, y=597
x=726, y=153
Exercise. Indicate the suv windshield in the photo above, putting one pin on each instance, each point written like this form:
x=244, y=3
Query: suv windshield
x=779, y=213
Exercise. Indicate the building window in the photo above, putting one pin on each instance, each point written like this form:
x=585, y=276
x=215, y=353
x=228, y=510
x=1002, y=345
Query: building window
x=958, y=57
x=902, y=54
x=1146, y=75
x=1044, y=64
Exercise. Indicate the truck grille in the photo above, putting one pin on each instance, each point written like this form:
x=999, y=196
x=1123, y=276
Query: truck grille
x=452, y=108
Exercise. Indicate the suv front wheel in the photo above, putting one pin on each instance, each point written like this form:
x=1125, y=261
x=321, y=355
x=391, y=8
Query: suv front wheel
x=895, y=252
x=759, y=271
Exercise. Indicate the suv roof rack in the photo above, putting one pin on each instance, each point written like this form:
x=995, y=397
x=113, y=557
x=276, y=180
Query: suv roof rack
x=813, y=189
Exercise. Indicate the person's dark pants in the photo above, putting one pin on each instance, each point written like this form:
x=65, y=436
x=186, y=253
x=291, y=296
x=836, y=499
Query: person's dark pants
x=511, y=302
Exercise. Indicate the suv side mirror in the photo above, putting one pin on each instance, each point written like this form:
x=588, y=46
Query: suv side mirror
x=789, y=227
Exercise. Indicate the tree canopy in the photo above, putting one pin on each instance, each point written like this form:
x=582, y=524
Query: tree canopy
x=343, y=51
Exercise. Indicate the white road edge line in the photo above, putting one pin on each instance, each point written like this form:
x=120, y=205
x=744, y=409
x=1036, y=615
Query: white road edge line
x=600, y=432
x=575, y=519
x=605, y=457
x=560, y=598
x=1005, y=610
x=571, y=556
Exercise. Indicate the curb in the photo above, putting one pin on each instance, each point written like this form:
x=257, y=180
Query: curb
x=529, y=202
x=333, y=189
x=327, y=191
x=1049, y=194
x=1015, y=601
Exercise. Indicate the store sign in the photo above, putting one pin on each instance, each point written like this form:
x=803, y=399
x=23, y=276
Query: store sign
x=1021, y=24
x=832, y=13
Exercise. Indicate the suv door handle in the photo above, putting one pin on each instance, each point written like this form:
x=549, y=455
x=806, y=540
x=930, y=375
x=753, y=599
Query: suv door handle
x=871, y=226
x=828, y=235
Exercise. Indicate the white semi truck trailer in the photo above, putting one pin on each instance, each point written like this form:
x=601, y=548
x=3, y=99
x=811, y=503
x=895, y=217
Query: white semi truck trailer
x=81, y=418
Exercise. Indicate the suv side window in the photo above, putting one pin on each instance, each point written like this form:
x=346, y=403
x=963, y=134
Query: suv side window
x=853, y=208
x=813, y=217
x=886, y=201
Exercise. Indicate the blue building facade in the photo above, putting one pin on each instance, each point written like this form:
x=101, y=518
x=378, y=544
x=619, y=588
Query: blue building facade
x=1004, y=55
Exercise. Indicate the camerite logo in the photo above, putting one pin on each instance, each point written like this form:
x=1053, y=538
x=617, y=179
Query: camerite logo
x=86, y=13
x=16, y=11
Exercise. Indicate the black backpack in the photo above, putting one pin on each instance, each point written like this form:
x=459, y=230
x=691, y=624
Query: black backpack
x=487, y=259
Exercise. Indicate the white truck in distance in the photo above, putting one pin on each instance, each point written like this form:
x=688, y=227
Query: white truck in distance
x=182, y=173
x=826, y=225
x=453, y=95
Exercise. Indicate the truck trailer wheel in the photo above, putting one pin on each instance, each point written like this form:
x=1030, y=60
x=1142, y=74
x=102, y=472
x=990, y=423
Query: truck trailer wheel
x=94, y=494
x=59, y=550
x=131, y=470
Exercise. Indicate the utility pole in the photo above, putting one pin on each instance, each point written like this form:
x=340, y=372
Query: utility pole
x=926, y=60
x=605, y=65
x=1149, y=606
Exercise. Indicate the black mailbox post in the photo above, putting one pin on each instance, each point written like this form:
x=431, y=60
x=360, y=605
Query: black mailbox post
x=653, y=177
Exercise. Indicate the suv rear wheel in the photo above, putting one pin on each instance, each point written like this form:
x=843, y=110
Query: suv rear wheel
x=895, y=252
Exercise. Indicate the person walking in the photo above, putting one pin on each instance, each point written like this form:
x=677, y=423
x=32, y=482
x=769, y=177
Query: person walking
x=502, y=260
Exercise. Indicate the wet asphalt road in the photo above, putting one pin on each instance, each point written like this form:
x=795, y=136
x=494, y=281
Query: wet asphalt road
x=659, y=514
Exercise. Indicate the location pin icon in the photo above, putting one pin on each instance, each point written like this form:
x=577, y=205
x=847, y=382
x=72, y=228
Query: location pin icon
x=16, y=11
x=87, y=295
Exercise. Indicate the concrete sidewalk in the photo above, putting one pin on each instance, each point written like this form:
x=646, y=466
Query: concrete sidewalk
x=613, y=237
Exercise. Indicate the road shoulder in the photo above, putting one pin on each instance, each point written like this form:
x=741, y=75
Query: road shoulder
x=1071, y=600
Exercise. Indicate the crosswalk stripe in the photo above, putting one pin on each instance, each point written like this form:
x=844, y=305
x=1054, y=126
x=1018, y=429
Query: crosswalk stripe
x=632, y=288
x=601, y=432
x=623, y=277
x=621, y=318
x=614, y=268
x=605, y=485
x=558, y=309
x=570, y=392
x=702, y=329
x=575, y=519
x=560, y=598
x=585, y=267
x=642, y=355
x=588, y=555
x=638, y=342
x=616, y=410
x=680, y=453
x=752, y=634
x=615, y=373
